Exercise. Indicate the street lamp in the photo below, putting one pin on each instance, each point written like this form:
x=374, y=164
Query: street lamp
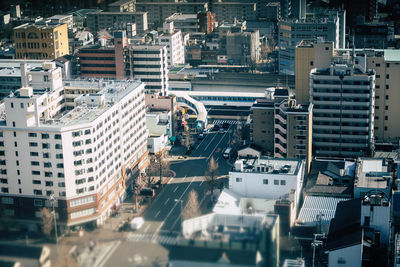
x=52, y=200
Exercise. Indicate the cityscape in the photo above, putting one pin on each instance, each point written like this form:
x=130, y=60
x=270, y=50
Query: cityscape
x=195, y=133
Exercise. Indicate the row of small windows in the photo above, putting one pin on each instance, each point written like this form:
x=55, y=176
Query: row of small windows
x=45, y=135
x=44, y=145
x=265, y=181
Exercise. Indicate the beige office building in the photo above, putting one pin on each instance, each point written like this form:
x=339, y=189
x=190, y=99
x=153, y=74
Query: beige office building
x=310, y=55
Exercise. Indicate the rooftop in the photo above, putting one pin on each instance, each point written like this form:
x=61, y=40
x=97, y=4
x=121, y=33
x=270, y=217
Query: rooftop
x=39, y=25
x=266, y=165
x=227, y=227
x=314, y=206
x=111, y=90
x=180, y=17
x=372, y=173
x=60, y=16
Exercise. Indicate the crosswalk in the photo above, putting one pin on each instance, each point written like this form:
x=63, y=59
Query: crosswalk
x=220, y=122
x=160, y=239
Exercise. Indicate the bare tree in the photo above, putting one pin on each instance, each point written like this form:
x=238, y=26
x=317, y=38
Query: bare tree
x=211, y=176
x=192, y=208
x=159, y=165
x=188, y=141
x=47, y=222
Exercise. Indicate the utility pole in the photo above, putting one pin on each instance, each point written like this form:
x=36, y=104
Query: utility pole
x=52, y=200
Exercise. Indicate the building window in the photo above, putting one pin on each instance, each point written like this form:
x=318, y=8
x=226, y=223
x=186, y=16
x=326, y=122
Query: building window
x=35, y=163
x=4, y=189
x=32, y=134
x=265, y=181
x=239, y=180
x=37, y=192
x=7, y=200
x=61, y=184
x=276, y=182
x=49, y=183
x=57, y=136
x=283, y=182
x=45, y=145
x=38, y=203
x=35, y=172
x=45, y=136
x=366, y=220
x=82, y=213
x=387, y=86
x=33, y=144
x=387, y=76
x=48, y=174
x=22, y=105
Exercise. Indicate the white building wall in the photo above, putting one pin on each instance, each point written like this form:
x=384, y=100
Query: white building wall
x=346, y=257
x=379, y=220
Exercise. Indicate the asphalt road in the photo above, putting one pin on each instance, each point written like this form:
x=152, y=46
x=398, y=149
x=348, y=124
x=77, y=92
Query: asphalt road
x=162, y=217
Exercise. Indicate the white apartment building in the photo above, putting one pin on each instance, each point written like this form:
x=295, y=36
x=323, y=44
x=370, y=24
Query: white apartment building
x=268, y=178
x=173, y=40
x=343, y=117
x=86, y=157
x=149, y=63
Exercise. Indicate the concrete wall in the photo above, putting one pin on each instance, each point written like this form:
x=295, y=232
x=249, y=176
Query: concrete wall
x=346, y=257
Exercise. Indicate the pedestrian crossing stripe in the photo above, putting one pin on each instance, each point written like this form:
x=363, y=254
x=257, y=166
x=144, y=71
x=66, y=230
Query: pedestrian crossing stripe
x=226, y=121
x=164, y=240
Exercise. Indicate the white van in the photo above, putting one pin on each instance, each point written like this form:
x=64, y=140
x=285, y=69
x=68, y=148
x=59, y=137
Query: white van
x=136, y=223
x=227, y=153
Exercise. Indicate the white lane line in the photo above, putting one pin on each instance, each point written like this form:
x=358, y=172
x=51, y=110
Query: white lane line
x=147, y=228
x=204, y=139
x=107, y=255
x=165, y=203
x=217, y=159
x=176, y=203
x=218, y=143
x=201, y=182
x=175, y=189
x=215, y=135
x=158, y=213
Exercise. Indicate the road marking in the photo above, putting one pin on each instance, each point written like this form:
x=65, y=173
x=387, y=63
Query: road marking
x=217, y=159
x=147, y=228
x=218, y=143
x=201, y=182
x=204, y=139
x=158, y=213
x=184, y=178
x=107, y=255
x=175, y=189
x=176, y=203
x=215, y=135
x=165, y=203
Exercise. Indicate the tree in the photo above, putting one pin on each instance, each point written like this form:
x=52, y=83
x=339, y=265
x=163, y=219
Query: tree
x=192, y=208
x=159, y=165
x=47, y=222
x=211, y=176
x=188, y=142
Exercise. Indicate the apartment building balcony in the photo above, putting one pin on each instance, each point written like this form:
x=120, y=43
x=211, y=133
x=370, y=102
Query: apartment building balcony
x=280, y=128
x=280, y=148
x=344, y=111
x=281, y=138
x=280, y=118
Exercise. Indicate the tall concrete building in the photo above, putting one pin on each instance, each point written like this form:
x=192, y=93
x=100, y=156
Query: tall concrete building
x=122, y=6
x=238, y=10
x=282, y=128
x=172, y=38
x=292, y=31
x=158, y=11
x=110, y=20
x=310, y=55
x=149, y=63
x=243, y=47
x=83, y=159
x=42, y=40
x=344, y=103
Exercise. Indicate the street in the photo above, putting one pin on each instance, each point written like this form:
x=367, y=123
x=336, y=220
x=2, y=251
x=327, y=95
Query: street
x=147, y=246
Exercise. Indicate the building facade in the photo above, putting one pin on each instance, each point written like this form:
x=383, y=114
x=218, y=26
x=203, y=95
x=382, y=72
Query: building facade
x=343, y=119
x=40, y=41
x=291, y=32
x=173, y=40
x=115, y=20
x=85, y=158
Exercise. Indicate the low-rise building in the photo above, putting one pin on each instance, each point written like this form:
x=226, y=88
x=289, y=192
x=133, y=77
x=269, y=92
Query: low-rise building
x=372, y=175
x=99, y=20
x=269, y=178
x=224, y=239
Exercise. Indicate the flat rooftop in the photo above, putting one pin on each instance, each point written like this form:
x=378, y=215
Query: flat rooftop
x=372, y=173
x=181, y=17
x=267, y=165
x=113, y=92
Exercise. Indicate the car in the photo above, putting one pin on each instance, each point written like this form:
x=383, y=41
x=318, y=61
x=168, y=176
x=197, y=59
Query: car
x=200, y=136
x=221, y=131
x=225, y=125
x=147, y=192
x=216, y=127
x=136, y=223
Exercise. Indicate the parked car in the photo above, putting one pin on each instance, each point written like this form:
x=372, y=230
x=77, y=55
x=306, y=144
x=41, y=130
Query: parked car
x=200, y=136
x=147, y=192
x=216, y=127
x=225, y=125
x=136, y=223
x=221, y=131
